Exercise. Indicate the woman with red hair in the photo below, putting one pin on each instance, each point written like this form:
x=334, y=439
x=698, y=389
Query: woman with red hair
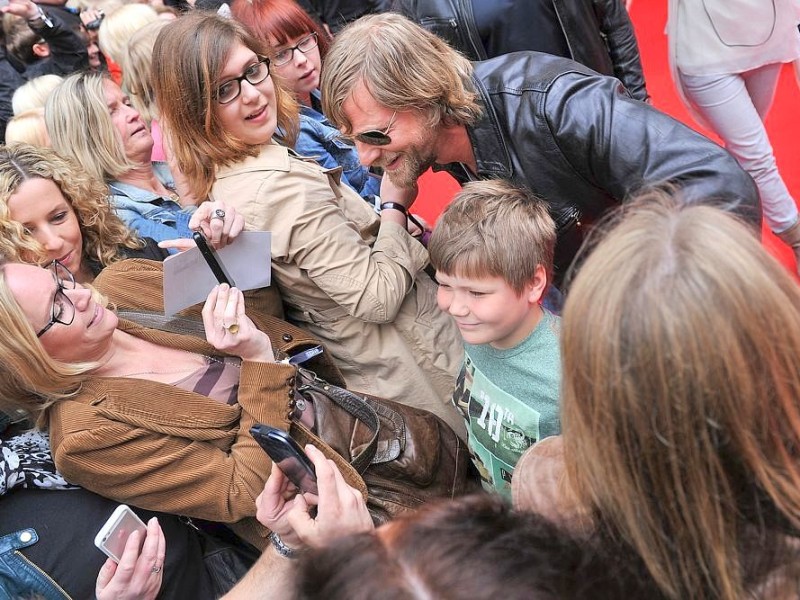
x=298, y=47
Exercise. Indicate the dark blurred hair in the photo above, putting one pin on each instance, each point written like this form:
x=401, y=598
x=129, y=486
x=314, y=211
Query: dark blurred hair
x=472, y=548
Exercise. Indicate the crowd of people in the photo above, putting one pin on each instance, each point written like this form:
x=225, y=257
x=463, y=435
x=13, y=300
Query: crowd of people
x=592, y=315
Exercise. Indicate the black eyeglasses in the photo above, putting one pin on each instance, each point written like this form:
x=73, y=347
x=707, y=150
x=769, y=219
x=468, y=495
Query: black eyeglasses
x=307, y=43
x=376, y=137
x=228, y=91
x=63, y=310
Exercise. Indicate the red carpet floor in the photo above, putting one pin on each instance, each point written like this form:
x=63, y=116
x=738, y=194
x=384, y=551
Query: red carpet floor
x=649, y=18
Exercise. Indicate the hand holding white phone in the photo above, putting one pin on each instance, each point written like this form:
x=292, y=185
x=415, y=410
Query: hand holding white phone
x=114, y=533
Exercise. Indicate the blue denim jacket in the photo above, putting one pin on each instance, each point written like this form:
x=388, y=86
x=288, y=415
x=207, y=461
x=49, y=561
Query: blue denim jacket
x=149, y=214
x=320, y=140
x=19, y=577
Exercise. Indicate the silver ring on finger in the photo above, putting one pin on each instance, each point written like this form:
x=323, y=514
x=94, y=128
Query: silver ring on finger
x=218, y=214
x=156, y=569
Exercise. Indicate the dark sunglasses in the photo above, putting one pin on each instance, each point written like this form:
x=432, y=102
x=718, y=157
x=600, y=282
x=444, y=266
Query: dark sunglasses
x=376, y=137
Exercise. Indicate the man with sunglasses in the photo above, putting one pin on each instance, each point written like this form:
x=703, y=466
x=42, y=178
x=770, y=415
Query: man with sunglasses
x=572, y=136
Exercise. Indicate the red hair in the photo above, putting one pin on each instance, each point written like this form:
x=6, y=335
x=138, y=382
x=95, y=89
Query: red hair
x=279, y=21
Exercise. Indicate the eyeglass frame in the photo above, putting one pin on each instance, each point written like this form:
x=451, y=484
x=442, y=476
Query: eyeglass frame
x=375, y=137
x=297, y=47
x=53, y=266
x=243, y=77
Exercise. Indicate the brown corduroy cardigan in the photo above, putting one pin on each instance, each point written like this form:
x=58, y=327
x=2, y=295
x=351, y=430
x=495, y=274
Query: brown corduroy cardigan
x=163, y=448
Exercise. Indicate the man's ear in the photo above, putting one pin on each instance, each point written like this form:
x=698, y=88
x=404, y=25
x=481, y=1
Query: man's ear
x=535, y=289
x=41, y=49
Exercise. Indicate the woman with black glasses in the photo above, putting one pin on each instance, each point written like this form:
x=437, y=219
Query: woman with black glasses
x=155, y=419
x=351, y=277
x=298, y=47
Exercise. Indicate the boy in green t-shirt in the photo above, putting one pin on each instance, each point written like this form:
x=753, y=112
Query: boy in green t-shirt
x=492, y=249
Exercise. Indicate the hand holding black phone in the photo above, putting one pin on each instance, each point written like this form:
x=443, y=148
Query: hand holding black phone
x=288, y=455
x=211, y=258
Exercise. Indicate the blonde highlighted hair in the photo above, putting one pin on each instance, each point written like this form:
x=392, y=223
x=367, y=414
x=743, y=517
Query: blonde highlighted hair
x=403, y=66
x=681, y=395
x=31, y=380
x=494, y=229
x=188, y=58
x=104, y=234
x=80, y=127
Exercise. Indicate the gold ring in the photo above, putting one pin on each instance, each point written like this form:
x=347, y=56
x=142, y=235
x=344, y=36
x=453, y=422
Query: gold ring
x=233, y=328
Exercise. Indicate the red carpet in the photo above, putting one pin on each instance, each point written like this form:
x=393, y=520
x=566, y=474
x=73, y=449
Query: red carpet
x=649, y=18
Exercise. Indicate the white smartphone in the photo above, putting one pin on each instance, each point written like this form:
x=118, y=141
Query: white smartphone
x=114, y=534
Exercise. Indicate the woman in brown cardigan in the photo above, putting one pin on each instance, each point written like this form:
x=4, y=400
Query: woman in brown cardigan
x=131, y=412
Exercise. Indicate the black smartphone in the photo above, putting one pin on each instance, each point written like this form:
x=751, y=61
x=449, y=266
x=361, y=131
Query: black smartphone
x=288, y=455
x=211, y=258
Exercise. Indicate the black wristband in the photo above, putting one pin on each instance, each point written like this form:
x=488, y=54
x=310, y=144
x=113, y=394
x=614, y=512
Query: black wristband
x=395, y=206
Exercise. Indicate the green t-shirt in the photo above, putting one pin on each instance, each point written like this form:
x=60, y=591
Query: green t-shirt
x=509, y=399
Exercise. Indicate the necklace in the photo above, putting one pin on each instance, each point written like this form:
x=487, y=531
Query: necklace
x=207, y=359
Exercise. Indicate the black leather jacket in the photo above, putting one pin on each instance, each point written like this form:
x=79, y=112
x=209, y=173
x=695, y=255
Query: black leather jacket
x=599, y=33
x=579, y=141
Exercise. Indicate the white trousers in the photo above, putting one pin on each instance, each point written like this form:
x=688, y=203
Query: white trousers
x=735, y=106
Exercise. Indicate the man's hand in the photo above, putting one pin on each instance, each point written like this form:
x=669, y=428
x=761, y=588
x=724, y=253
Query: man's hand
x=341, y=510
x=21, y=8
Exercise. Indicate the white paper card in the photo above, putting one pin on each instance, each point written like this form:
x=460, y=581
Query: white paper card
x=188, y=279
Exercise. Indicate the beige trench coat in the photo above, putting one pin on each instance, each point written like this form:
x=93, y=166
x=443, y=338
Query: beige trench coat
x=353, y=282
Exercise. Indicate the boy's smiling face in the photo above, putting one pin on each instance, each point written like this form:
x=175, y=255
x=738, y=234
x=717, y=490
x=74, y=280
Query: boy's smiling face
x=487, y=310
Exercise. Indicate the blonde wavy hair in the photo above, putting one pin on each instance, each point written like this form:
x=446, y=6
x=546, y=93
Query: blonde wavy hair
x=403, y=66
x=80, y=126
x=30, y=379
x=103, y=232
x=681, y=397
x=188, y=58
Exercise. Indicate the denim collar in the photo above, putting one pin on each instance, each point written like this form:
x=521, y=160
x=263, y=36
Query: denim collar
x=137, y=194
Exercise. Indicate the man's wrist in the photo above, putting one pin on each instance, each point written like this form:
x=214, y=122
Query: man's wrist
x=281, y=548
x=394, y=206
x=40, y=17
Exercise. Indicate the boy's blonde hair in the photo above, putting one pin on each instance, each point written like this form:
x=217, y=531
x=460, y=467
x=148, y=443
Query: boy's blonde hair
x=494, y=229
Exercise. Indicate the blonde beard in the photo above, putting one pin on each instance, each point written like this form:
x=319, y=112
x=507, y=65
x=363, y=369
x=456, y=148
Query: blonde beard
x=412, y=166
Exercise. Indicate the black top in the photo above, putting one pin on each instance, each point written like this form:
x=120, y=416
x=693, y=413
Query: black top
x=151, y=251
x=67, y=521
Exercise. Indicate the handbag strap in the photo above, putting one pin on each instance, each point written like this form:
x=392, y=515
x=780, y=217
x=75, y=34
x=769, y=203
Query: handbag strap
x=173, y=324
x=354, y=405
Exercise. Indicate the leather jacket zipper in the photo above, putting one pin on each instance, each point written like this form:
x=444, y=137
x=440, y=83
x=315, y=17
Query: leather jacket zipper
x=46, y=576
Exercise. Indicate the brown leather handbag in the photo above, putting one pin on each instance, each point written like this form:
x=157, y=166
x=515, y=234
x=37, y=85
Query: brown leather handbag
x=406, y=456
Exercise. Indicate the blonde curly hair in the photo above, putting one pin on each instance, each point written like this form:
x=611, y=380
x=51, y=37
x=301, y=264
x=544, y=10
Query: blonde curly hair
x=104, y=234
